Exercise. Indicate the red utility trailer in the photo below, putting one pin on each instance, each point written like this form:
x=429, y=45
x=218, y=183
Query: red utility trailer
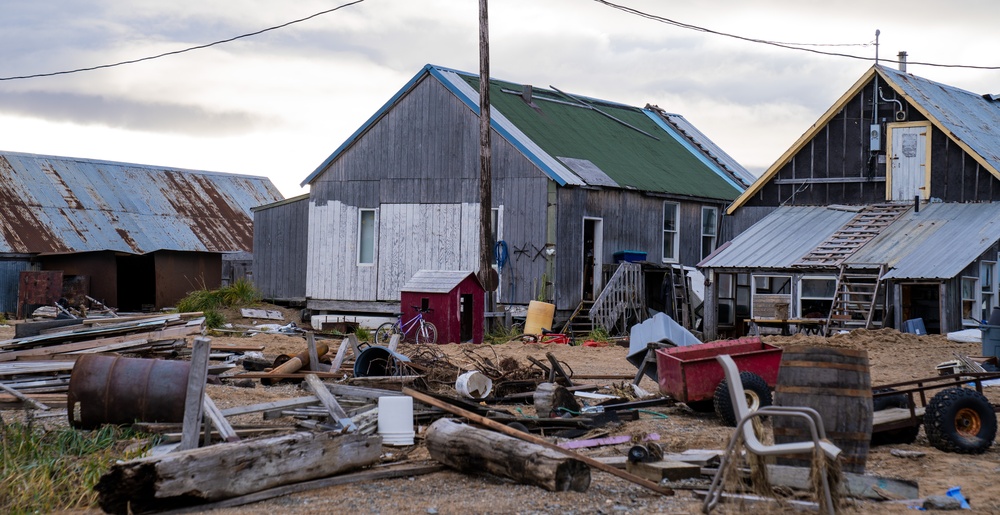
x=691, y=374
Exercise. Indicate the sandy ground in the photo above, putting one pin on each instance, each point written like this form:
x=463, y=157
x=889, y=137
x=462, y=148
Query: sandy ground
x=893, y=356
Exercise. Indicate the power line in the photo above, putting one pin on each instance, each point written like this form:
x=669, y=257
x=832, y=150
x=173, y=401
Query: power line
x=189, y=49
x=790, y=46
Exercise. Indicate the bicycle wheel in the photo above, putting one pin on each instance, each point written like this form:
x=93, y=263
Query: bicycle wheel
x=427, y=333
x=384, y=333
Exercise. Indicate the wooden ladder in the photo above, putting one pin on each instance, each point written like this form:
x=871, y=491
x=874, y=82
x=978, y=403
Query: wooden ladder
x=679, y=305
x=859, y=300
x=844, y=242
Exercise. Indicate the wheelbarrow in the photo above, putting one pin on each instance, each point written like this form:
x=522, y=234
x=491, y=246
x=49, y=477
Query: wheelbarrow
x=692, y=375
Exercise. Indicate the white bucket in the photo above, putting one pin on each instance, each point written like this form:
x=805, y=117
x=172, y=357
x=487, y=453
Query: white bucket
x=474, y=384
x=395, y=420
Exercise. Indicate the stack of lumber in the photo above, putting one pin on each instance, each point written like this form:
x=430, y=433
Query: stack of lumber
x=136, y=335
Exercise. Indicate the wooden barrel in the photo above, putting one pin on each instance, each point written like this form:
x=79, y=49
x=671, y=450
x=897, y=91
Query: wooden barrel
x=836, y=382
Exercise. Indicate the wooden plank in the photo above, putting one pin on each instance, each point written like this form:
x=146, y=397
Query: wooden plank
x=375, y=473
x=270, y=406
x=23, y=398
x=496, y=426
x=330, y=402
x=52, y=400
x=290, y=375
x=609, y=440
x=219, y=421
x=313, y=355
x=338, y=360
x=663, y=469
x=193, y=401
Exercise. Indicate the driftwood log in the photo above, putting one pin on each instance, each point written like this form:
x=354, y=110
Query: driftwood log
x=221, y=471
x=549, y=397
x=474, y=450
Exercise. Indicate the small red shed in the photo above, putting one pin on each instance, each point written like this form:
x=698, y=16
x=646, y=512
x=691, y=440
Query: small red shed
x=456, y=298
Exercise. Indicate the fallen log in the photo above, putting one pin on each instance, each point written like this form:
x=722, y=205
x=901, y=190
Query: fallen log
x=474, y=450
x=479, y=419
x=550, y=397
x=225, y=470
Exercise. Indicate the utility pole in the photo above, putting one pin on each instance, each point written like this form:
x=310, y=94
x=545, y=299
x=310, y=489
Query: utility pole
x=487, y=276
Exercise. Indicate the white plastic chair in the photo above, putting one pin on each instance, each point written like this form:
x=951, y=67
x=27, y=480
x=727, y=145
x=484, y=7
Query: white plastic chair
x=745, y=432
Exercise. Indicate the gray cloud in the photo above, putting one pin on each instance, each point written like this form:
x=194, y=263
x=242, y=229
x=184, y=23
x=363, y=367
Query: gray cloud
x=122, y=113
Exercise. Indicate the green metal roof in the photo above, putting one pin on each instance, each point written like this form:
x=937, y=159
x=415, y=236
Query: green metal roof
x=629, y=144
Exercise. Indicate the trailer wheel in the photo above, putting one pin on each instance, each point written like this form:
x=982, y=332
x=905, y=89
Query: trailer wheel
x=754, y=387
x=960, y=420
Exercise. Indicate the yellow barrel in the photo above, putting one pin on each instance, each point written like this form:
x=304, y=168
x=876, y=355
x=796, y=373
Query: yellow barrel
x=539, y=317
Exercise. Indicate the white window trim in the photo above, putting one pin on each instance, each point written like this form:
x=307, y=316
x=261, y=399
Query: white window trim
x=814, y=277
x=976, y=299
x=676, y=233
x=991, y=288
x=357, y=256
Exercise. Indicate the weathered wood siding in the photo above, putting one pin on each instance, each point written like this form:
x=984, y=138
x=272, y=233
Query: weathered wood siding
x=836, y=167
x=418, y=166
x=279, y=250
x=631, y=221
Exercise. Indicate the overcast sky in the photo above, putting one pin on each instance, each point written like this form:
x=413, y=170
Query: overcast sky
x=277, y=104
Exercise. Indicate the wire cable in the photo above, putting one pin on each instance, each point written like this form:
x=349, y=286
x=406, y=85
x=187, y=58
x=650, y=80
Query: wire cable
x=183, y=50
x=790, y=46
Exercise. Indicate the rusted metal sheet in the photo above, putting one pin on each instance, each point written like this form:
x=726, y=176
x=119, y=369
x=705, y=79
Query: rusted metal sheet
x=38, y=288
x=106, y=389
x=52, y=204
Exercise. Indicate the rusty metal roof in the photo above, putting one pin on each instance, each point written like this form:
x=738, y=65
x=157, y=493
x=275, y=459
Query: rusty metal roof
x=51, y=204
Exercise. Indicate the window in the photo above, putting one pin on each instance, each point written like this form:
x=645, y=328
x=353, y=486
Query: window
x=670, y=234
x=772, y=296
x=726, y=299
x=987, y=280
x=709, y=230
x=816, y=296
x=366, y=236
x=970, y=300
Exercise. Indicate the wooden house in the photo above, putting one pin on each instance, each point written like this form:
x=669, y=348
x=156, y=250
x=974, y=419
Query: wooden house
x=886, y=210
x=575, y=180
x=131, y=236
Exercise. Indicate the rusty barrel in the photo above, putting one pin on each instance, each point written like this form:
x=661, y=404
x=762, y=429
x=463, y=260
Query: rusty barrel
x=836, y=382
x=106, y=389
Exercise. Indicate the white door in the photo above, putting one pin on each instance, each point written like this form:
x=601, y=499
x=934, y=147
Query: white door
x=909, y=172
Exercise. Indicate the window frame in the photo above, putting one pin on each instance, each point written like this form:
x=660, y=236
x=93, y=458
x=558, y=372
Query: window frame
x=974, y=309
x=714, y=236
x=802, y=295
x=988, y=288
x=673, y=234
x=362, y=242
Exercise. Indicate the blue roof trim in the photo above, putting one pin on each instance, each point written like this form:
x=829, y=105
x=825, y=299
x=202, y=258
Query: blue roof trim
x=378, y=114
x=694, y=151
x=503, y=131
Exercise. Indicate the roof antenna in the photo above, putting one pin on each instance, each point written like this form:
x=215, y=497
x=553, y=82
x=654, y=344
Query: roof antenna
x=877, y=32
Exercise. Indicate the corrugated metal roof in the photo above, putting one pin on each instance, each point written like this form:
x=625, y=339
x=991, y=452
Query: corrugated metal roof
x=623, y=146
x=700, y=140
x=969, y=117
x=780, y=238
x=435, y=281
x=935, y=243
x=51, y=204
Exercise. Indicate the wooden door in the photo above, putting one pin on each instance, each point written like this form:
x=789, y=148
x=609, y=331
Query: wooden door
x=909, y=161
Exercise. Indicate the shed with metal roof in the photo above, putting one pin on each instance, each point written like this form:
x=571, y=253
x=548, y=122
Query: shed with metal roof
x=917, y=162
x=145, y=235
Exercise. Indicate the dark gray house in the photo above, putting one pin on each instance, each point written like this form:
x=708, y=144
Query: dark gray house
x=885, y=210
x=576, y=182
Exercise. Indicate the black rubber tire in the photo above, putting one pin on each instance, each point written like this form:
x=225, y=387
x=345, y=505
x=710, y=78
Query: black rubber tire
x=757, y=392
x=384, y=333
x=906, y=435
x=960, y=420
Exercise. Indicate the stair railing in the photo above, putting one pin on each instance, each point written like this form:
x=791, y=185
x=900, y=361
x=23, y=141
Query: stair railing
x=623, y=296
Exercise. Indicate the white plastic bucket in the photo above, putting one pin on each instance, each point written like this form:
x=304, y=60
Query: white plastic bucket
x=395, y=420
x=474, y=384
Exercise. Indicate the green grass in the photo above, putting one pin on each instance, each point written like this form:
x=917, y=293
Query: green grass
x=46, y=471
x=239, y=294
x=502, y=334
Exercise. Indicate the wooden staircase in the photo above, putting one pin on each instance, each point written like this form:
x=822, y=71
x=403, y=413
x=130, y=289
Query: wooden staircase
x=622, y=302
x=859, y=301
x=865, y=226
x=579, y=325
